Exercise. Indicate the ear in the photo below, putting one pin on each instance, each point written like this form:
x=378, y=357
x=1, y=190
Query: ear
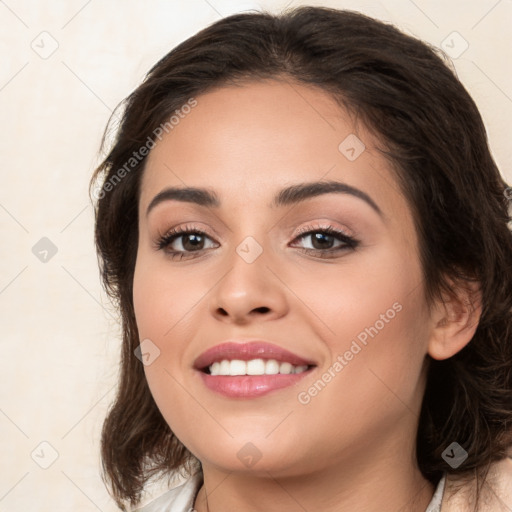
x=455, y=320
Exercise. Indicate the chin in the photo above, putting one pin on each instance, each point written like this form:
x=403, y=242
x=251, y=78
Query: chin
x=244, y=456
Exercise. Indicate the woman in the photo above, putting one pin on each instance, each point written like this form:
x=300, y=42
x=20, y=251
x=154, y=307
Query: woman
x=307, y=237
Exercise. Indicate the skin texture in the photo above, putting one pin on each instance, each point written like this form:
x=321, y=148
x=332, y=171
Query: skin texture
x=351, y=447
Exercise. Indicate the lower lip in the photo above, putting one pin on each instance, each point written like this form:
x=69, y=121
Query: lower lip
x=250, y=386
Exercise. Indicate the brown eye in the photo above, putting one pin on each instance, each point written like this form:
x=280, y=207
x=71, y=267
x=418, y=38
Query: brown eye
x=183, y=241
x=192, y=241
x=322, y=240
x=326, y=240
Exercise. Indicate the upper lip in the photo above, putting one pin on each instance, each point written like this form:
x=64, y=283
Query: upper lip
x=246, y=350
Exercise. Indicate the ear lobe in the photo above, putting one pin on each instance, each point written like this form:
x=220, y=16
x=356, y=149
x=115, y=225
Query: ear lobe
x=455, y=320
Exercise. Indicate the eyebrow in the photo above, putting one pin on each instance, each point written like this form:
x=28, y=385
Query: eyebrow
x=289, y=195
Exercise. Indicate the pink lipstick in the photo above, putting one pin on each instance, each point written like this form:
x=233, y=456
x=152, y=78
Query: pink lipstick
x=250, y=369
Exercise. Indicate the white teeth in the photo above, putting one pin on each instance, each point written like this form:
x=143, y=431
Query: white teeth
x=214, y=368
x=224, y=367
x=237, y=367
x=285, y=368
x=271, y=367
x=254, y=367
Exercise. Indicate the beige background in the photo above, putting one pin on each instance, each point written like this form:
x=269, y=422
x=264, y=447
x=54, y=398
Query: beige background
x=60, y=337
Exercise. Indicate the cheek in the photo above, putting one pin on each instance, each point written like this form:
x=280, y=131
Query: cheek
x=168, y=306
x=372, y=318
x=368, y=295
x=163, y=299
x=373, y=380
x=164, y=304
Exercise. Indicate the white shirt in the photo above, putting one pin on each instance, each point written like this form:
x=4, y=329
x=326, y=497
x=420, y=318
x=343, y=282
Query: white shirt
x=182, y=497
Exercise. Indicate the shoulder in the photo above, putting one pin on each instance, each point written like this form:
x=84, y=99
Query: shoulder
x=495, y=492
x=178, y=499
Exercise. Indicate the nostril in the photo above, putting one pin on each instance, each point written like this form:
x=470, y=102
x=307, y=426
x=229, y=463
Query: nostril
x=262, y=309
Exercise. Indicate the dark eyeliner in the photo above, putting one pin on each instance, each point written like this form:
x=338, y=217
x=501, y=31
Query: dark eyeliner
x=348, y=242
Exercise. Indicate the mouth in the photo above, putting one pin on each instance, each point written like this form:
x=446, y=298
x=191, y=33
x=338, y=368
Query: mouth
x=236, y=367
x=251, y=369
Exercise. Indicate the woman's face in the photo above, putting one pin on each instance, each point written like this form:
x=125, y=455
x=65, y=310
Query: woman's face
x=258, y=264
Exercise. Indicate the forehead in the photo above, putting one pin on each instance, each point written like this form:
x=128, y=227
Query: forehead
x=250, y=140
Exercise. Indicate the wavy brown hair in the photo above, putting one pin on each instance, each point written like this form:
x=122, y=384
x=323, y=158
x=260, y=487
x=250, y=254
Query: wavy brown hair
x=431, y=132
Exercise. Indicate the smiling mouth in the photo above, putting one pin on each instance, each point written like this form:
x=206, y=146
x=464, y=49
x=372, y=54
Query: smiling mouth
x=250, y=369
x=243, y=386
x=255, y=367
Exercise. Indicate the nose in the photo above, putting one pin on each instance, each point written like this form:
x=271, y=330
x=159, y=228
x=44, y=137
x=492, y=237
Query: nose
x=249, y=291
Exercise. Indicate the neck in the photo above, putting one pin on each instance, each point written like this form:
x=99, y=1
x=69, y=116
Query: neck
x=380, y=484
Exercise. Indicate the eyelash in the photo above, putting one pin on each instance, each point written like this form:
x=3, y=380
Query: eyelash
x=349, y=242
